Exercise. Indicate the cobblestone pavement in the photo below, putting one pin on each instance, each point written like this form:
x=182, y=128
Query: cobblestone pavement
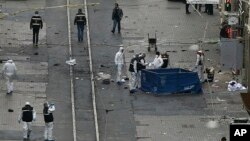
x=176, y=32
x=31, y=82
x=170, y=118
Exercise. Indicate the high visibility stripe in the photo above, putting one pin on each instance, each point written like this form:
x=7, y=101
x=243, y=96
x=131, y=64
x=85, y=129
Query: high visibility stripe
x=36, y=18
x=80, y=15
x=35, y=24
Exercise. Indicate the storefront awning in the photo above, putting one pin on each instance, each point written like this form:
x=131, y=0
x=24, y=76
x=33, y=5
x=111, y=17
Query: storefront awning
x=203, y=1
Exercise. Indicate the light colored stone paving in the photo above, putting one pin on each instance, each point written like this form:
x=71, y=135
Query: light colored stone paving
x=178, y=128
x=11, y=37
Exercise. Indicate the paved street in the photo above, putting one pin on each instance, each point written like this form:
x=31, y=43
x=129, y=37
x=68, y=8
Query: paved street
x=44, y=75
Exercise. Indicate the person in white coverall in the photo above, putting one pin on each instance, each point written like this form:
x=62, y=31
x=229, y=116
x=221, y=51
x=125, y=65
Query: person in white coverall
x=158, y=61
x=27, y=116
x=49, y=121
x=119, y=62
x=9, y=72
x=200, y=64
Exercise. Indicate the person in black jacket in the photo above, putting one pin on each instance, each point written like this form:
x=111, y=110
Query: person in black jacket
x=116, y=17
x=165, y=58
x=80, y=20
x=49, y=121
x=187, y=7
x=27, y=115
x=36, y=23
x=133, y=69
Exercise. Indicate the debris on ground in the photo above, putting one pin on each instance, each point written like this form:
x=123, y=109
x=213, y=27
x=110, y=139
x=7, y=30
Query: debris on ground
x=71, y=62
x=215, y=86
x=234, y=86
x=104, y=77
x=218, y=99
x=10, y=110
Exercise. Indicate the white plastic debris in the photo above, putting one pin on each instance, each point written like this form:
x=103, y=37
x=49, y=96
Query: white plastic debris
x=123, y=80
x=71, y=62
x=194, y=47
x=104, y=75
x=234, y=86
x=220, y=100
x=215, y=86
x=216, y=81
x=212, y=124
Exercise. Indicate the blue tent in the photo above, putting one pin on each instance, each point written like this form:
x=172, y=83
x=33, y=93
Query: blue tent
x=172, y=80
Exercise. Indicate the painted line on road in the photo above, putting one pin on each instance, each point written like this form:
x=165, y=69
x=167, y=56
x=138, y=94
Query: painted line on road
x=91, y=74
x=72, y=92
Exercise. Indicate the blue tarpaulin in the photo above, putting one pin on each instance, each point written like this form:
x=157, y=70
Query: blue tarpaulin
x=172, y=80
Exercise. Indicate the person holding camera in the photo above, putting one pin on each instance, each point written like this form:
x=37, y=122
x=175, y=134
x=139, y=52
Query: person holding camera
x=49, y=121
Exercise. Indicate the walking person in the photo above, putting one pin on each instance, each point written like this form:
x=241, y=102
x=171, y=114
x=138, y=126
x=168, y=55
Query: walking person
x=117, y=17
x=80, y=21
x=133, y=69
x=119, y=62
x=48, y=110
x=27, y=115
x=200, y=65
x=187, y=7
x=9, y=72
x=36, y=23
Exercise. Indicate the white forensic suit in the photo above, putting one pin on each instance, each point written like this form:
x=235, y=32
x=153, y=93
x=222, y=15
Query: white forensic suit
x=9, y=71
x=119, y=62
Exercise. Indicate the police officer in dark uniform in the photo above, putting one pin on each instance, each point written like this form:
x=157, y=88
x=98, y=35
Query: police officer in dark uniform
x=27, y=116
x=36, y=24
x=49, y=121
x=80, y=20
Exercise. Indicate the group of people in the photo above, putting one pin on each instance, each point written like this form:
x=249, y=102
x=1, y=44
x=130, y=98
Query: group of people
x=36, y=23
x=138, y=63
x=28, y=114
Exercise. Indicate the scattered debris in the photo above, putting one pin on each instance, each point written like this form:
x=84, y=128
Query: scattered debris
x=123, y=81
x=218, y=99
x=36, y=53
x=194, y=47
x=106, y=81
x=104, y=77
x=215, y=86
x=234, y=86
x=212, y=124
x=131, y=51
x=77, y=78
x=56, y=64
x=10, y=110
x=126, y=87
x=216, y=81
x=71, y=62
